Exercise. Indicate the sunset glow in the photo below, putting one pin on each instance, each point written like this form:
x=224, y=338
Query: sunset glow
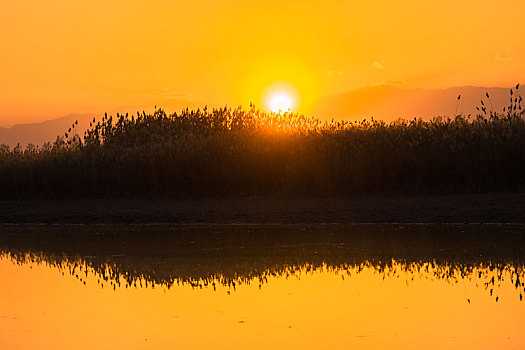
x=283, y=96
x=280, y=103
x=239, y=174
x=63, y=57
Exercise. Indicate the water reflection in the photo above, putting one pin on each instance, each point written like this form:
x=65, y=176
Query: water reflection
x=204, y=257
x=113, y=275
x=286, y=287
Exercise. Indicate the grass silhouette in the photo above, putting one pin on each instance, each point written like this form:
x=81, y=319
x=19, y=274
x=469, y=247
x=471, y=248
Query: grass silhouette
x=236, y=152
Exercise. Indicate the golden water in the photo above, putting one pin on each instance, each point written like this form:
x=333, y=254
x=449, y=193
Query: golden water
x=395, y=305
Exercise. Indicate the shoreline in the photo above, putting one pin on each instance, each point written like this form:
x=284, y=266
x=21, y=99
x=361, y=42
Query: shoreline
x=477, y=209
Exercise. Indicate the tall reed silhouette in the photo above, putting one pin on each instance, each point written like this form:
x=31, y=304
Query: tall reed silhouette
x=227, y=151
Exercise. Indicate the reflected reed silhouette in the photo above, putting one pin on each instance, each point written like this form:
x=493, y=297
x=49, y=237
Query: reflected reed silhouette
x=208, y=256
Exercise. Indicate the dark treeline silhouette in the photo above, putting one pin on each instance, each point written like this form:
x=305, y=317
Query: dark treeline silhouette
x=234, y=255
x=236, y=152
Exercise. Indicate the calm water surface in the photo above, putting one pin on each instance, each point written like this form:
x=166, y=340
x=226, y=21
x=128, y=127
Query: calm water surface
x=262, y=287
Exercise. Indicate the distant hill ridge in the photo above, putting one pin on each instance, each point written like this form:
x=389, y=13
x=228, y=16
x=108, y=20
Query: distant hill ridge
x=383, y=102
x=41, y=132
x=388, y=102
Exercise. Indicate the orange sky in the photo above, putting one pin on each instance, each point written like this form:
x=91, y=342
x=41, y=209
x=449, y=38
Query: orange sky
x=63, y=56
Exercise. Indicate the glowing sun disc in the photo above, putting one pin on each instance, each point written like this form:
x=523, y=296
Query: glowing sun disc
x=280, y=103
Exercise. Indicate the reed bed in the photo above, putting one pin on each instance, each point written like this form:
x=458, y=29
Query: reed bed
x=237, y=152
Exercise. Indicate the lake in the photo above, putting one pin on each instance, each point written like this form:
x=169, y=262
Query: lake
x=262, y=286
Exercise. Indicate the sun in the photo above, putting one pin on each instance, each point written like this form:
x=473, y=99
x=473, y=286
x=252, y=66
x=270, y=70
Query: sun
x=280, y=102
x=281, y=97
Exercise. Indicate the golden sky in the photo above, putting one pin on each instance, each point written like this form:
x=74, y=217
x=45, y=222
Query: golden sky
x=62, y=56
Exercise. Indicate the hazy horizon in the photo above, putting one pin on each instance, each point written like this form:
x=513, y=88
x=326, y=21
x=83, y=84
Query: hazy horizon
x=365, y=108
x=63, y=57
